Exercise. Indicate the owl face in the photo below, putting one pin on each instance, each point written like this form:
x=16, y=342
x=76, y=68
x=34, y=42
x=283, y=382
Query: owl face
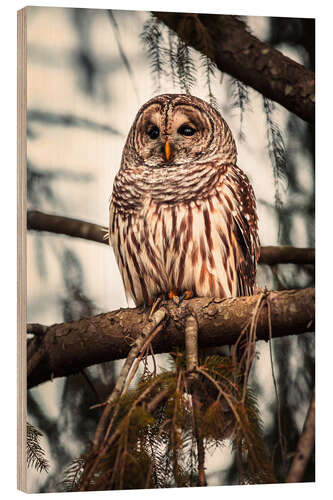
x=176, y=129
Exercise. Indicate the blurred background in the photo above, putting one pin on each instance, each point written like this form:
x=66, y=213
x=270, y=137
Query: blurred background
x=89, y=71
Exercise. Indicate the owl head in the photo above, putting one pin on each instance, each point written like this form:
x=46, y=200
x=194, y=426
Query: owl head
x=179, y=129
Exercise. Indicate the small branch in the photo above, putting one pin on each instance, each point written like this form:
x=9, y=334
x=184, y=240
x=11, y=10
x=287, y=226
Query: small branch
x=108, y=440
x=147, y=331
x=69, y=347
x=157, y=400
x=191, y=347
x=40, y=221
x=304, y=447
x=272, y=255
x=191, y=342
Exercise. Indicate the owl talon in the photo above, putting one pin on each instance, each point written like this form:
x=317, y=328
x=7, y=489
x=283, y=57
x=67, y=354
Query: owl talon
x=185, y=296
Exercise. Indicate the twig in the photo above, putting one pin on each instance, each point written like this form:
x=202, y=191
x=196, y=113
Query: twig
x=157, y=400
x=91, y=385
x=173, y=432
x=155, y=320
x=191, y=345
x=250, y=348
x=232, y=405
x=108, y=441
x=143, y=349
x=58, y=224
x=278, y=404
x=191, y=342
x=304, y=447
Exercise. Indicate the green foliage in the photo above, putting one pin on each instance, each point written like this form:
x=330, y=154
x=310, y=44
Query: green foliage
x=150, y=439
x=35, y=453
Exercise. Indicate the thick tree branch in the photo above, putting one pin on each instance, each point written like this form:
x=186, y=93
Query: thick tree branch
x=69, y=347
x=227, y=42
x=41, y=221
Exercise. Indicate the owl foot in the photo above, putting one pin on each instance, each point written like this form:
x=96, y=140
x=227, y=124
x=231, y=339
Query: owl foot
x=185, y=296
x=173, y=295
x=178, y=299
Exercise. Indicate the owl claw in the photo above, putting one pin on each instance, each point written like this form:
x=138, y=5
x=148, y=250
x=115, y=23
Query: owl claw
x=185, y=296
x=178, y=299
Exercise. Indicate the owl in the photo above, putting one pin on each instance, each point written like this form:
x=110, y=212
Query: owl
x=183, y=215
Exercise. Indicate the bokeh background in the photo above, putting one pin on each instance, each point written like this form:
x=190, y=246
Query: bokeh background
x=89, y=71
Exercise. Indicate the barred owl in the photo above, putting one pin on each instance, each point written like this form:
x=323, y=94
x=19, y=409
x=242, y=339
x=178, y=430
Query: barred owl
x=183, y=214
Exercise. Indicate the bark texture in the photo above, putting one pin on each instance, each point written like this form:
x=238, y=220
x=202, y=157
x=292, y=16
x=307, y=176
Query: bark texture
x=227, y=42
x=67, y=348
x=41, y=221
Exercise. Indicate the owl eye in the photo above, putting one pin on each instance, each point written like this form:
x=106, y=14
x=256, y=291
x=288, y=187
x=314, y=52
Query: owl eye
x=186, y=130
x=153, y=132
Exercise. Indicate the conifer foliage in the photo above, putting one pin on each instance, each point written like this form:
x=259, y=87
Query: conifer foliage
x=150, y=440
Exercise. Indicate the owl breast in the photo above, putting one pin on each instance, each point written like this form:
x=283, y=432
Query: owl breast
x=183, y=246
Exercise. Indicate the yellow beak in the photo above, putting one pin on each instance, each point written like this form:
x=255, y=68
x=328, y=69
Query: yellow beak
x=167, y=150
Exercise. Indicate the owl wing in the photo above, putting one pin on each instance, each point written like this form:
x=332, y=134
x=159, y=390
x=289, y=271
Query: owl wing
x=245, y=230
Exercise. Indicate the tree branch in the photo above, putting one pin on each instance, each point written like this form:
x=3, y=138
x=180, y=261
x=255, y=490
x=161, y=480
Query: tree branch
x=286, y=255
x=226, y=41
x=41, y=221
x=58, y=224
x=67, y=348
x=304, y=447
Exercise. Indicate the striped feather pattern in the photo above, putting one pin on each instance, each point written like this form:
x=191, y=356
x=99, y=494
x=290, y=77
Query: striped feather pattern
x=177, y=228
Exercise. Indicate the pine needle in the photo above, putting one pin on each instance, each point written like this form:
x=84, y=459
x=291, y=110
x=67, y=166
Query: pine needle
x=277, y=154
x=35, y=453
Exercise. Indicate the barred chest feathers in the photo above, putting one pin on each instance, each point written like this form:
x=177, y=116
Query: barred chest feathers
x=191, y=245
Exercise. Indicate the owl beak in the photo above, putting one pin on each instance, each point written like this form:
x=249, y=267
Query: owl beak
x=167, y=150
